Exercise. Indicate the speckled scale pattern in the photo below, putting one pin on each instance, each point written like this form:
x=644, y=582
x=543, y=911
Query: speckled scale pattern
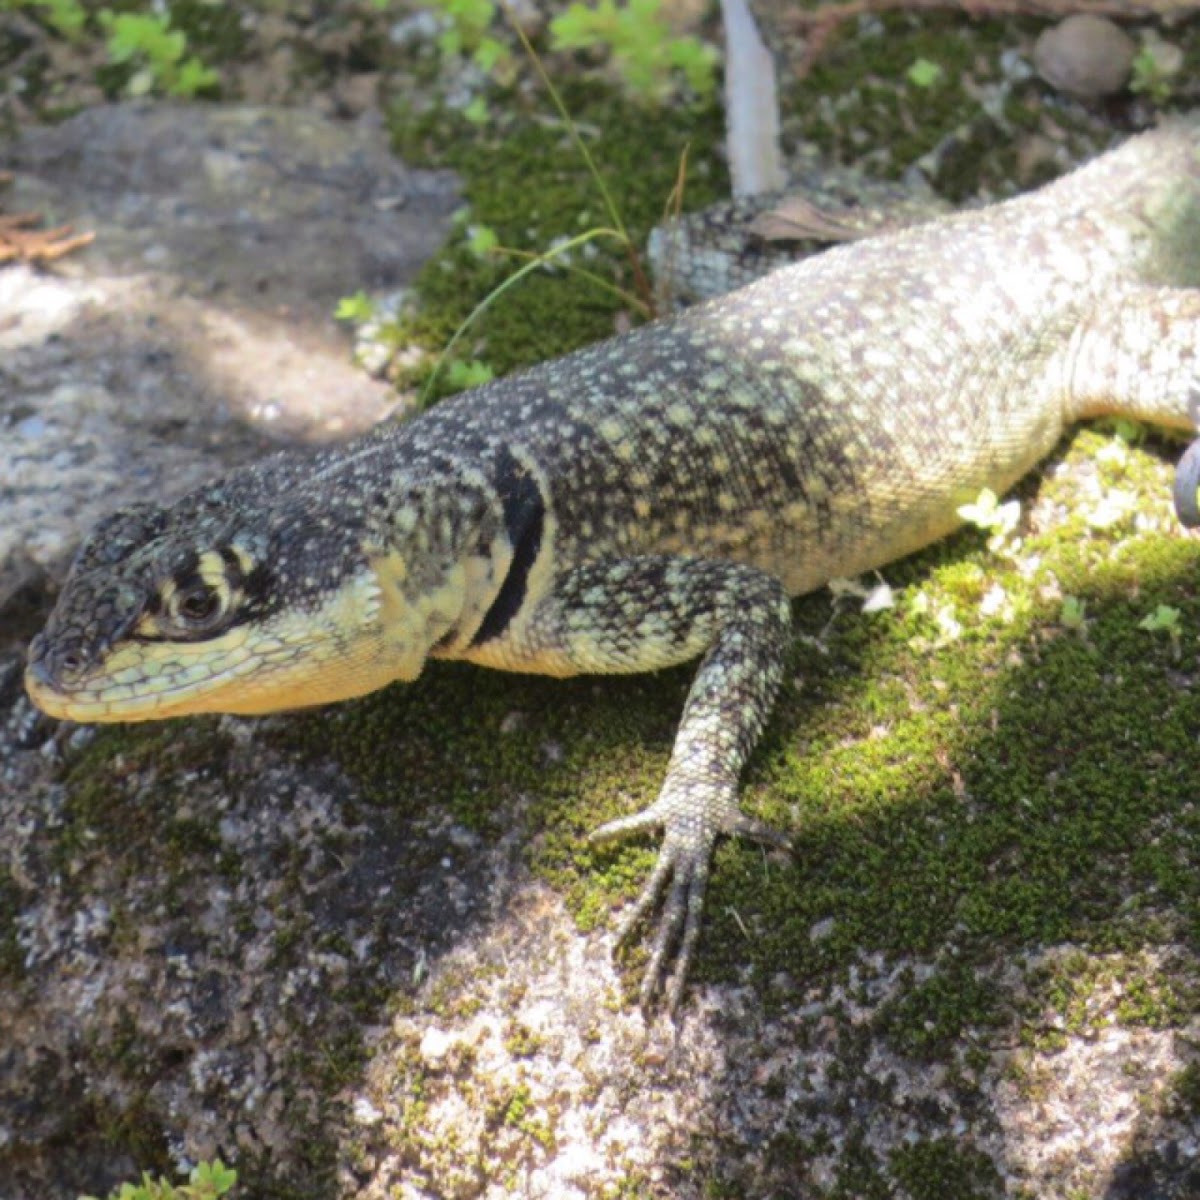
x=705, y=254
x=654, y=499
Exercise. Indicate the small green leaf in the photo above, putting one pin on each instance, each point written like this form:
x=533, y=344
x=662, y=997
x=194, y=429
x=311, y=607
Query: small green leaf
x=1148, y=78
x=698, y=61
x=489, y=54
x=193, y=77
x=924, y=74
x=578, y=27
x=461, y=375
x=641, y=44
x=477, y=111
x=1164, y=617
x=983, y=512
x=67, y=16
x=207, y=1181
x=1073, y=614
x=359, y=308
x=482, y=240
x=214, y=1178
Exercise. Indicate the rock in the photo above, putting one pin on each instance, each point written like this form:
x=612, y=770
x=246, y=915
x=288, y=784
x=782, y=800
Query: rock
x=1085, y=56
x=260, y=206
x=200, y=320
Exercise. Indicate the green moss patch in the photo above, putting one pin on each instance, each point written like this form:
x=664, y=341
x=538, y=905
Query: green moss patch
x=931, y=1170
x=524, y=180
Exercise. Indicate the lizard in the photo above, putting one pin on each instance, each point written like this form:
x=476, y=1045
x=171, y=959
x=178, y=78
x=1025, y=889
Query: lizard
x=660, y=496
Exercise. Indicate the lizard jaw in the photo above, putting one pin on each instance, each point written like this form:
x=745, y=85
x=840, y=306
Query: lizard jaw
x=337, y=651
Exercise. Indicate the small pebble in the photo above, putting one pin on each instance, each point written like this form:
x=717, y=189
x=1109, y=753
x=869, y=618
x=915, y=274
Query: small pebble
x=1085, y=56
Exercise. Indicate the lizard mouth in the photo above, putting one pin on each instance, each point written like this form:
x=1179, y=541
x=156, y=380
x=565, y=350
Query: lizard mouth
x=108, y=702
x=135, y=684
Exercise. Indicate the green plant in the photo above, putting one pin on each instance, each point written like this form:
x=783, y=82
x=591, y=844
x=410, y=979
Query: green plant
x=1168, y=620
x=461, y=374
x=644, y=52
x=67, y=17
x=1164, y=618
x=468, y=33
x=208, y=1181
x=483, y=241
x=924, y=74
x=1149, y=77
x=157, y=52
x=358, y=308
x=1073, y=614
x=987, y=513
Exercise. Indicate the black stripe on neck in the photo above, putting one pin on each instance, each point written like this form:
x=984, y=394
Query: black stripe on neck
x=524, y=517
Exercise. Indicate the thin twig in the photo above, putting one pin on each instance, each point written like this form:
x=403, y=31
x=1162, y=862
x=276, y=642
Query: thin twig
x=21, y=241
x=818, y=25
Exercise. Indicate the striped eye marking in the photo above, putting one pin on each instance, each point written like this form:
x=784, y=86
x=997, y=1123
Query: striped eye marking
x=200, y=599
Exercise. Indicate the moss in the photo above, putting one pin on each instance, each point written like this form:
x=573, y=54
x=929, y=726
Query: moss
x=930, y=1017
x=516, y=1108
x=860, y=1174
x=527, y=182
x=136, y=1129
x=860, y=105
x=1154, y=1004
x=521, y=1041
x=105, y=800
x=931, y=1170
x=1077, y=994
x=1183, y=1092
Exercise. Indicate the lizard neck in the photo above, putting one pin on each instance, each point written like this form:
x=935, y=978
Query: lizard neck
x=455, y=552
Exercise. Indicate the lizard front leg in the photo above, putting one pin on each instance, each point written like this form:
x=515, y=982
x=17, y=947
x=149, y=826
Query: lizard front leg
x=645, y=613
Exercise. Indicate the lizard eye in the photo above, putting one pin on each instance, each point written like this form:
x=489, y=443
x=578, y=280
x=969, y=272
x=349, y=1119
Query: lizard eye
x=198, y=609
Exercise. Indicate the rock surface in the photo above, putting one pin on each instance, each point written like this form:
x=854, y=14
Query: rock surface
x=200, y=321
x=230, y=937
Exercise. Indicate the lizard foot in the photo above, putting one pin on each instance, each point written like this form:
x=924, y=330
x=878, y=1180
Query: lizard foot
x=680, y=877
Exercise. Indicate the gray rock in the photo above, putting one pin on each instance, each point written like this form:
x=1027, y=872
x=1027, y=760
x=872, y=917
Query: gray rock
x=259, y=208
x=1085, y=56
x=200, y=320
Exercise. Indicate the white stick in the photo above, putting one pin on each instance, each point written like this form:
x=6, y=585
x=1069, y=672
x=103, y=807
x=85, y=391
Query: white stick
x=751, y=105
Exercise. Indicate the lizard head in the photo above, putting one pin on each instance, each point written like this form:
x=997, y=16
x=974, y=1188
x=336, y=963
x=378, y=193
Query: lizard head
x=203, y=607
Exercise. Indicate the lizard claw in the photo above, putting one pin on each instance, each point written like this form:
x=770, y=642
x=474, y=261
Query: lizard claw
x=681, y=874
x=1187, y=482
